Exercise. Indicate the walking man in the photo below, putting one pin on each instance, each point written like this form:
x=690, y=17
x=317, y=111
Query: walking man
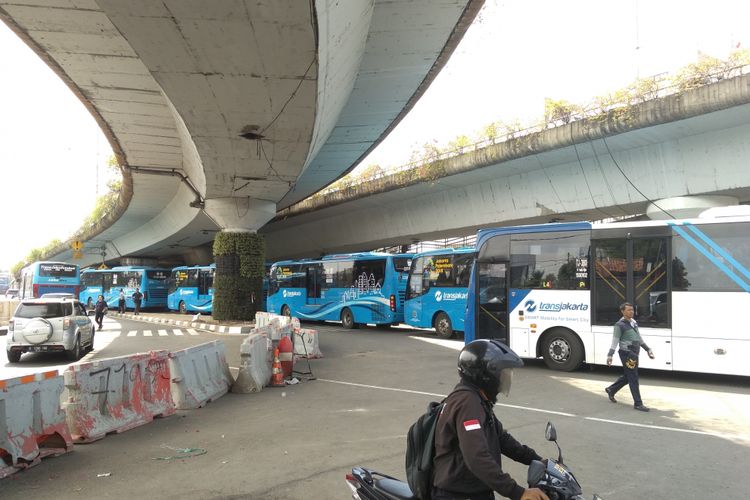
x=627, y=336
x=121, y=303
x=137, y=298
x=99, y=309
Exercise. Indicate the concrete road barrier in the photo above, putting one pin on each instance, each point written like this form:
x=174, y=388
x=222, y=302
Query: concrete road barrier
x=32, y=425
x=117, y=394
x=255, y=364
x=306, y=343
x=199, y=374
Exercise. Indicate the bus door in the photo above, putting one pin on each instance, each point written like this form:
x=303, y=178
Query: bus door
x=492, y=310
x=634, y=269
x=313, y=284
x=415, y=294
x=205, y=286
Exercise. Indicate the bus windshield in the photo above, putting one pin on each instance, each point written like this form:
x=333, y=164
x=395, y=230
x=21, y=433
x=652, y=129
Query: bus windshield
x=58, y=270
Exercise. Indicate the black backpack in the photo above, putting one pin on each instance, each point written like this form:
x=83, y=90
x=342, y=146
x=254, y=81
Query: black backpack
x=420, y=450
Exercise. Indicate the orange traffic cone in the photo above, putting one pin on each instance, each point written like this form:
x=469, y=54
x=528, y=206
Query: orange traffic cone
x=277, y=377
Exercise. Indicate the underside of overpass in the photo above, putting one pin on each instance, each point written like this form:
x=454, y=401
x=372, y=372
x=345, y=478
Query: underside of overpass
x=222, y=112
x=696, y=143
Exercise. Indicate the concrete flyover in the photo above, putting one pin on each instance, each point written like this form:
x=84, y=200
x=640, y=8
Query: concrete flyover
x=222, y=112
x=692, y=143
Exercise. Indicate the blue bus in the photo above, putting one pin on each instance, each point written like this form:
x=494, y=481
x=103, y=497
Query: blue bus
x=356, y=288
x=554, y=290
x=437, y=290
x=108, y=282
x=49, y=277
x=191, y=289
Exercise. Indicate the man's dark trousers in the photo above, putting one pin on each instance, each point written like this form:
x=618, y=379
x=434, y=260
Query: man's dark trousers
x=629, y=377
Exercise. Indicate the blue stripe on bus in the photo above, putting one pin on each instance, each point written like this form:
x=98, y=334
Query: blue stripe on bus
x=708, y=241
x=710, y=257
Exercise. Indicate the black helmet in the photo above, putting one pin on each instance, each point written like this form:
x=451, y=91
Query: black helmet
x=488, y=364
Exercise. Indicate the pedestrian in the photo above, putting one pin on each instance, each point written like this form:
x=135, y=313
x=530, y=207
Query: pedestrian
x=627, y=336
x=137, y=297
x=121, y=302
x=99, y=309
x=469, y=440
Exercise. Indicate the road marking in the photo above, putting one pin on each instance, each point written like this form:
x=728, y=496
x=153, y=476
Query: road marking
x=132, y=333
x=527, y=408
x=192, y=332
x=177, y=332
x=163, y=333
x=147, y=333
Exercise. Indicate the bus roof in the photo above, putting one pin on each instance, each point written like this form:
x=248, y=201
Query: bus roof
x=443, y=251
x=138, y=268
x=186, y=268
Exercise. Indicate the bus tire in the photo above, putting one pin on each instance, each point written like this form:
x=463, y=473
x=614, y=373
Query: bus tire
x=182, y=307
x=443, y=326
x=347, y=319
x=285, y=311
x=562, y=350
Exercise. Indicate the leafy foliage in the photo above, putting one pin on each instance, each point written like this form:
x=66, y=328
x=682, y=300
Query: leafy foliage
x=240, y=266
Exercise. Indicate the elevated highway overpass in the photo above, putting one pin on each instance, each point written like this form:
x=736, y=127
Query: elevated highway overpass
x=693, y=144
x=222, y=112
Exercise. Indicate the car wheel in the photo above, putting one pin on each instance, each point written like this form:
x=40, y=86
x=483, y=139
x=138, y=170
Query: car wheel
x=562, y=350
x=443, y=326
x=285, y=311
x=91, y=345
x=13, y=356
x=347, y=319
x=183, y=307
x=75, y=354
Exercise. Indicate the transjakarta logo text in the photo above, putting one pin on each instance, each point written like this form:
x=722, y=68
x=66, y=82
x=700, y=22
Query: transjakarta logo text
x=531, y=306
x=289, y=293
x=439, y=295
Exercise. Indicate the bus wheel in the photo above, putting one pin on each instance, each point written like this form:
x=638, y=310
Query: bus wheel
x=562, y=350
x=182, y=307
x=347, y=319
x=285, y=311
x=443, y=326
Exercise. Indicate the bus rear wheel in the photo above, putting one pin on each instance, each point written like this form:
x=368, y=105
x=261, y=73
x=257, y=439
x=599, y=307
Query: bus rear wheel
x=562, y=350
x=347, y=319
x=285, y=311
x=182, y=307
x=443, y=326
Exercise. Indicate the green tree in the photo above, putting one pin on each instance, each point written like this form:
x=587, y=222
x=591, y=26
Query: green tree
x=460, y=143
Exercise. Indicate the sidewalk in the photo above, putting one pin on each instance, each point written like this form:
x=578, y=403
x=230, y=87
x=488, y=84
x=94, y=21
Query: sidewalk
x=177, y=319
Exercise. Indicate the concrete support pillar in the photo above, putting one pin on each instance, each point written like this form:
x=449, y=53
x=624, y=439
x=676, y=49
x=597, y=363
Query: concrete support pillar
x=687, y=207
x=240, y=215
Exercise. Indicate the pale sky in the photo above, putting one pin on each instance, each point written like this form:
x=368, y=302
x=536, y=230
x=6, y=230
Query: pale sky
x=522, y=52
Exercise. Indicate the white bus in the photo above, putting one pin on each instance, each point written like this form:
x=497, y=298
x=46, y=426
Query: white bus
x=553, y=291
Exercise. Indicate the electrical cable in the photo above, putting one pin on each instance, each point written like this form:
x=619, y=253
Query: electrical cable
x=631, y=182
x=585, y=179
x=293, y=94
x=606, y=181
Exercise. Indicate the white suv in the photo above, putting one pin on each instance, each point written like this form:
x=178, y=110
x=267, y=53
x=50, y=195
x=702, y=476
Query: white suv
x=52, y=324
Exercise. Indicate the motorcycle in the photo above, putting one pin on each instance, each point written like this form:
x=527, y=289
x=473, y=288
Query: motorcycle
x=552, y=477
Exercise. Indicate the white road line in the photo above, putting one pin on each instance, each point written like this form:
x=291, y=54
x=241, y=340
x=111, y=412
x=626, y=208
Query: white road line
x=163, y=333
x=132, y=333
x=192, y=332
x=615, y=422
x=147, y=333
x=177, y=332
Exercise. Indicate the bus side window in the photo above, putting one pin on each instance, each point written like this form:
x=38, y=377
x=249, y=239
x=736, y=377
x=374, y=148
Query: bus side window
x=415, y=278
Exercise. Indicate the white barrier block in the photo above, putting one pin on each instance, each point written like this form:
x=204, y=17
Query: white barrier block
x=255, y=364
x=199, y=374
x=306, y=343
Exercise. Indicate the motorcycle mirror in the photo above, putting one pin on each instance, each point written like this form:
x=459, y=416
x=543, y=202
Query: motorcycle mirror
x=597, y=497
x=550, y=433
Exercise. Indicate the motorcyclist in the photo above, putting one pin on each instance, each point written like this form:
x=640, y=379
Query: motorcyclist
x=469, y=440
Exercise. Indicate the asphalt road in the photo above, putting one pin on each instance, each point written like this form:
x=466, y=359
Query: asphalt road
x=298, y=442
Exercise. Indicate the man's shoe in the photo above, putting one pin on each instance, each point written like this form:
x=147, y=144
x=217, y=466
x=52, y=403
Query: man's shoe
x=611, y=396
x=641, y=408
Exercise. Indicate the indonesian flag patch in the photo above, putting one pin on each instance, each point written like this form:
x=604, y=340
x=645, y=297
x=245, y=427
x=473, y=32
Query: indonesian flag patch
x=472, y=425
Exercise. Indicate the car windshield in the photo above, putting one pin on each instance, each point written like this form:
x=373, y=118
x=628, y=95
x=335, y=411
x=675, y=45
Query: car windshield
x=43, y=310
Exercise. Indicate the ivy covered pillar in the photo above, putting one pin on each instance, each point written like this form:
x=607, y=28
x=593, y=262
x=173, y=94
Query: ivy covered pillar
x=240, y=254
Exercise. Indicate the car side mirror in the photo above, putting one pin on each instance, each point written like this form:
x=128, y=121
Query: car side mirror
x=550, y=433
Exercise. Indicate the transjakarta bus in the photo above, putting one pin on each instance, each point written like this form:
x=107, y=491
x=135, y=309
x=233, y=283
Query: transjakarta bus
x=191, y=289
x=356, y=288
x=108, y=282
x=437, y=290
x=554, y=290
x=49, y=277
